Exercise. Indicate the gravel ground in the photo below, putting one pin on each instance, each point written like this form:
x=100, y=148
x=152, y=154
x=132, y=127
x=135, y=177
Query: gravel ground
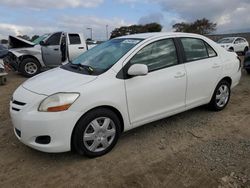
x=197, y=148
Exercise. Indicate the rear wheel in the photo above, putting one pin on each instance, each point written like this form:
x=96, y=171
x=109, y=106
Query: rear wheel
x=96, y=133
x=29, y=67
x=221, y=96
x=245, y=50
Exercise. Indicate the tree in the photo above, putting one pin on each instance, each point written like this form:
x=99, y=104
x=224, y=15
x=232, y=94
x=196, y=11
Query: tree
x=133, y=29
x=26, y=37
x=202, y=26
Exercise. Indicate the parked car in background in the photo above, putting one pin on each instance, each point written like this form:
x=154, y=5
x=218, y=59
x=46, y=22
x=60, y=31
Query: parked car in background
x=3, y=73
x=246, y=63
x=121, y=84
x=48, y=51
x=235, y=44
x=3, y=51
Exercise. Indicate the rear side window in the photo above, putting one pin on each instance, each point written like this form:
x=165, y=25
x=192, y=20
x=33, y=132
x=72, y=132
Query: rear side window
x=74, y=39
x=210, y=51
x=196, y=49
x=242, y=41
x=54, y=39
x=157, y=55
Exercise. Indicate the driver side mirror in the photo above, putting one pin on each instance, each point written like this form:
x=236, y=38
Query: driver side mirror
x=138, y=70
x=42, y=43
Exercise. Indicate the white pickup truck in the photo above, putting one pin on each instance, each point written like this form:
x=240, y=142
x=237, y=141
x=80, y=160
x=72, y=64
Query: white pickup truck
x=48, y=51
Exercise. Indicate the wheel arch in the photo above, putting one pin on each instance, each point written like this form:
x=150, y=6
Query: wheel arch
x=115, y=110
x=228, y=79
x=21, y=58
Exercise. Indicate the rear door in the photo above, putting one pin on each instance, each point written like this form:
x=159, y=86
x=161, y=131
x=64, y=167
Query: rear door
x=76, y=45
x=51, y=52
x=203, y=68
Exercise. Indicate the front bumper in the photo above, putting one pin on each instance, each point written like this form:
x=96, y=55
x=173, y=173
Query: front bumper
x=29, y=124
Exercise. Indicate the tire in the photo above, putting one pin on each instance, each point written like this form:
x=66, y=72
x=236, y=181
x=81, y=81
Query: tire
x=91, y=138
x=3, y=80
x=248, y=71
x=29, y=67
x=245, y=50
x=216, y=103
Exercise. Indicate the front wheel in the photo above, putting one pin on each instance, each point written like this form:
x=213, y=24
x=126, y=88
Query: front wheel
x=29, y=67
x=96, y=133
x=221, y=96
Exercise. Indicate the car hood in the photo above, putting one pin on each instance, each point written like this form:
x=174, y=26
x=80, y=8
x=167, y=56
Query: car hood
x=26, y=51
x=17, y=42
x=57, y=80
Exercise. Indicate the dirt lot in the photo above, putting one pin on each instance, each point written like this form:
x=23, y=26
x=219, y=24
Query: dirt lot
x=198, y=148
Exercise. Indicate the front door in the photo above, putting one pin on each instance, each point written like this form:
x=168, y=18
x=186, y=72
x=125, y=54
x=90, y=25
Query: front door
x=51, y=52
x=162, y=91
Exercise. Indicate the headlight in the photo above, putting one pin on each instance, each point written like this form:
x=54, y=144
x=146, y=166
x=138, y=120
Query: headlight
x=58, y=102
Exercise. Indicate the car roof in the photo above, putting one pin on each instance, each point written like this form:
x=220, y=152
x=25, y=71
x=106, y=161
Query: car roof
x=160, y=34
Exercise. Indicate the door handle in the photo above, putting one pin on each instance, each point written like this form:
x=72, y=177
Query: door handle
x=56, y=49
x=215, y=66
x=179, y=75
x=80, y=47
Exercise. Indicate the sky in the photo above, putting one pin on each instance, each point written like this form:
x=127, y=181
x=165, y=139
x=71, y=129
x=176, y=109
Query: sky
x=30, y=17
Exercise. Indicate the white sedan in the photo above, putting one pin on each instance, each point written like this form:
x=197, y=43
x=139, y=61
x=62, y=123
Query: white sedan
x=235, y=44
x=118, y=85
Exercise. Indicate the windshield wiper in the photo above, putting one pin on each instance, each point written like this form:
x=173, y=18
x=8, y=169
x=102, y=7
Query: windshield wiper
x=88, y=68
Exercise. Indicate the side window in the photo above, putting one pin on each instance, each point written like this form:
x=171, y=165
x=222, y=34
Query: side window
x=242, y=41
x=237, y=41
x=210, y=50
x=74, y=39
x=157, y=55
x=194, y=49
x=54, y=39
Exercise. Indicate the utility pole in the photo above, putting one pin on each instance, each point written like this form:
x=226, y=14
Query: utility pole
x=107, y=31
x=91, y=32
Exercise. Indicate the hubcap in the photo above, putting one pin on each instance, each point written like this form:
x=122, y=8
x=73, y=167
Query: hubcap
x=31, y=68
x=99, y=134
x=222, y=96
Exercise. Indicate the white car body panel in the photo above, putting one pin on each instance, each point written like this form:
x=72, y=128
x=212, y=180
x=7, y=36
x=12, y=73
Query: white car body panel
x=139, y=100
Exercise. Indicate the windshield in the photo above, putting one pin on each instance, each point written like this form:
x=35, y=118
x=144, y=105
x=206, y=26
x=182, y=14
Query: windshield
x=105, y=55
x=39, y=39
x=226, y=40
